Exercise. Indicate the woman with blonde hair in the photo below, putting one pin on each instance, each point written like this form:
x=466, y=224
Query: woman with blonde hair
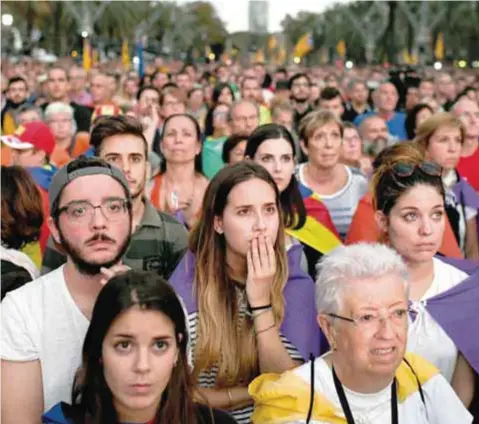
x=441, y=138
x=250, y=306
x=338, y=186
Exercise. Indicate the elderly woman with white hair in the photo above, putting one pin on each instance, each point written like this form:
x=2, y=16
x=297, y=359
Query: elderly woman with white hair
x=367, y=377
x=69, y=144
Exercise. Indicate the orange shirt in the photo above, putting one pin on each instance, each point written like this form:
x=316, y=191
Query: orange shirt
x=364, y=228
x=61, y=156
x=7, y=156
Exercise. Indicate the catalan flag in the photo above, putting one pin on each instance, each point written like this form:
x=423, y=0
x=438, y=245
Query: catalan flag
x=259, y=56
x=319, y=231
x=272, y=42
x=86, y=54
x=304, y=45
x=439, y=49
x=341, y=49
x=125, y=54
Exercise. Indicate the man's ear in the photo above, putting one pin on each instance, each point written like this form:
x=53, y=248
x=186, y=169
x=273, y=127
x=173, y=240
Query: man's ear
x=53, y=230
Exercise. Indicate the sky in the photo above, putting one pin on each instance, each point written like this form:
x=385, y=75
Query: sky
x=234, y=13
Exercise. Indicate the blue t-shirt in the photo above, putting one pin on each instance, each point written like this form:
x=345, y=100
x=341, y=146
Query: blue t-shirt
x=396, y=125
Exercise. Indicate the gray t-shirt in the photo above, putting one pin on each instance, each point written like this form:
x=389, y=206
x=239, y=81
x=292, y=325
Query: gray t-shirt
x=343, y=203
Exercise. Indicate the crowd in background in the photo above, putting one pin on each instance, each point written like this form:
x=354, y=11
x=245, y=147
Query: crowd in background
x=240, y=185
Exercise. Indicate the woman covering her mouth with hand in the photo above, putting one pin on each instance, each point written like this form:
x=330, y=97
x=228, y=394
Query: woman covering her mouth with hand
x=250, y=306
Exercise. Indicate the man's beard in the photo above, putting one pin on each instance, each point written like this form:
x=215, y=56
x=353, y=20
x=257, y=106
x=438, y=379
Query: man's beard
x=93, y=268
x=374, y=147
x=300, y=100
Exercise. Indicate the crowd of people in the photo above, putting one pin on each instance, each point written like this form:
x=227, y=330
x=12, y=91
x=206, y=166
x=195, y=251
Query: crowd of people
x=217, y=243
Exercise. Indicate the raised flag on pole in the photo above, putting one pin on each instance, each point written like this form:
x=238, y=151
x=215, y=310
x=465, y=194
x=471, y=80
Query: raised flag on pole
x=304, y=45
x=86, y=54
x=125, y=54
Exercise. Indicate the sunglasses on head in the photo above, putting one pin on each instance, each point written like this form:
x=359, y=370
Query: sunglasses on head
x=404, y=169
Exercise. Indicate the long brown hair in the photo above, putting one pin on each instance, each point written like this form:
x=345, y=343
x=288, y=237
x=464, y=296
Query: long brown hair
x=92, y=398
x=222, y=340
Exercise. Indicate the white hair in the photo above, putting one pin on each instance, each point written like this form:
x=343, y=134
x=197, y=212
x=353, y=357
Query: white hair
x=355, y=262
x=60, y=107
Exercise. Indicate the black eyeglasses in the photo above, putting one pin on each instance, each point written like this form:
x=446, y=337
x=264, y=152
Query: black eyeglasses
x=82, y=212
x=404, y=169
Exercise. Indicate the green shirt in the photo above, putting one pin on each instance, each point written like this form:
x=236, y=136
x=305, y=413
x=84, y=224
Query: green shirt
x=211, y=156
x=158, y=244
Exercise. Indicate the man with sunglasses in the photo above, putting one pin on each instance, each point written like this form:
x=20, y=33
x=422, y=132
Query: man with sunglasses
x=44, y=322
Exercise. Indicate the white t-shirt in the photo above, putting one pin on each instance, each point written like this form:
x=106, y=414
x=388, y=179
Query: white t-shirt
x=41, y=321
x=426, y=337
x=442, y=404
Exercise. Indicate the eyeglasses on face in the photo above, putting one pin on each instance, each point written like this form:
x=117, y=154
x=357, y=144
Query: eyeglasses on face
x=81, y=212
x=372, y=320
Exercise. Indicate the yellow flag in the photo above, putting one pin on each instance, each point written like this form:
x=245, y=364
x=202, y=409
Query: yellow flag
x=272, y=42
x=94, y=57
x=259, y=56
x=406, y=57
x=281, y=56
x=304, y=45
x=341, y=49
x=86, y=55
x=125, y=54
x=439, y=49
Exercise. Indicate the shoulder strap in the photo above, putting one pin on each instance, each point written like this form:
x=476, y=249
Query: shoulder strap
x=421, y=393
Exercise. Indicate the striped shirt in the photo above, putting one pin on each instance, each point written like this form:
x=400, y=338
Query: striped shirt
x=207, y=378
x=158, y=244
x=343, y=203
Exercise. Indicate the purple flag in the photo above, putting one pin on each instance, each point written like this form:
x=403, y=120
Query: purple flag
x=456, y=311
x=299, y=325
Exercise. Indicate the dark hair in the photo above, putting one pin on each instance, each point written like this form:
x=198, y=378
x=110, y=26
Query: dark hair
x=297, y=76
x=192, y=90
x=294, y=211
x=82, y=162
x=198, y=159
x=387, y=187
x=329, y=93
x=143, y=81
x=146, y=88
x=214, y=100
x=13, y=80
x=230, y=143
x=249, y=79
x=148, y=292
x=411, y=118
x=108, y=126
x=22, y=212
